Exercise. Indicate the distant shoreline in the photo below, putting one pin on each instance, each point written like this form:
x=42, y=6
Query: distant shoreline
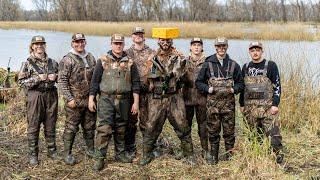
x=293, y=31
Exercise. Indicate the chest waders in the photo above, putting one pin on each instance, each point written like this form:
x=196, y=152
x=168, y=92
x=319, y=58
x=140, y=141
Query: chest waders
x=258, y=93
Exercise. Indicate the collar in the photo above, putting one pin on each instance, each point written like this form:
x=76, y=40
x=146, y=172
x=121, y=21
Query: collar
x=82, y=55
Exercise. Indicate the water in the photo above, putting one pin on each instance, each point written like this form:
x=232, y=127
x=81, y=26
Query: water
x=14, y=44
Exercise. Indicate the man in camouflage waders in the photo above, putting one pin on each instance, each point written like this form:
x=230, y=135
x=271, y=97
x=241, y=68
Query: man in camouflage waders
x=75, y=73
x=194, y=99
x=221, y=78
x=38, y=77
x=261, y=97
x=166, y=99
x=139, y=52
x=116, y=79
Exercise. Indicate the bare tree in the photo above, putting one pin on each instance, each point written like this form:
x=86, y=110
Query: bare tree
x=283, y=9
x=42, y=8
x=9, y=10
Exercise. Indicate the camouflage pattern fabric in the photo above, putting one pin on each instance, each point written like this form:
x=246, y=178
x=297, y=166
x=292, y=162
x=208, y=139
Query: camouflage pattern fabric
x=28, y=77
x=221, y=109
x=192, y=96
x=75, y=75
x=163, y=105
x=139, y=57
x=42, y=101
x=195, y=100
x=258, y=101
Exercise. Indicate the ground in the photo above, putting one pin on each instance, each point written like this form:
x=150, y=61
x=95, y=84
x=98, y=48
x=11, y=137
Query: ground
x=251, y=160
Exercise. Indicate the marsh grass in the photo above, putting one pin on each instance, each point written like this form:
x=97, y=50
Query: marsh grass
x=293, y=31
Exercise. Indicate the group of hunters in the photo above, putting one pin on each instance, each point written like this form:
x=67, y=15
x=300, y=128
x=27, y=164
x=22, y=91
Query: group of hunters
x=142, y=87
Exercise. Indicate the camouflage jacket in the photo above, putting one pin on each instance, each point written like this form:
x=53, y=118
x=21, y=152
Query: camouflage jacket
x=192, y=95
x=28, y=77
x=140, y=57
x=167, y=67
x=75, y=75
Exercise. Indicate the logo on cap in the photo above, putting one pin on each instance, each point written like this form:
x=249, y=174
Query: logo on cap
x=78, y=36
x=38, y=38
x=220, y=41
x=117, y=37
x=255, y=44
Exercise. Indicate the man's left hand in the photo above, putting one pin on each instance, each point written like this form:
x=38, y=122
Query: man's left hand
x=274, y=110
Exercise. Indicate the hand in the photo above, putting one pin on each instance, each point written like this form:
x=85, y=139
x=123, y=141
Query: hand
x=210, y=90
x=135, y=108
x=92, y=105
x=242, y=109
x=43, y=77
x=151, y=87
x=72, y=103
x=231, y=90
x=274, y=110
x=52, y=77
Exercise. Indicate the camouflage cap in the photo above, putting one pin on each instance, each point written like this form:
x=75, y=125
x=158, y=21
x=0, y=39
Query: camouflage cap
x=117, y=38
x=78, y=36
x=137, y=30
x=196, y=39
x=38, y=39
x=220, y=41
x=255, y=44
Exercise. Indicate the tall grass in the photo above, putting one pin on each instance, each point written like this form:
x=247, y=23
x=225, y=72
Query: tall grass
x=231, y=30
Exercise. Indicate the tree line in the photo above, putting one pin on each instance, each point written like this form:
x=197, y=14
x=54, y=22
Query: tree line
x=163, y=10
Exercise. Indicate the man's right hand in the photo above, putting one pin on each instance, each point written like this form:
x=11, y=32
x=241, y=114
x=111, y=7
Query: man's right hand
x=71, y=104
x=210, y=90
x=43, y=77
x=242, y=109
x=91, y=104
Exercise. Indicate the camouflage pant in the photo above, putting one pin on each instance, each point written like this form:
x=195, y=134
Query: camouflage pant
x=112, y=118
x=227, y=121
x=221, y=112
x=202, y=122
x=265, y=124
x=79, y=116
x=131, y=129
x=42, y=107
x=173, y=108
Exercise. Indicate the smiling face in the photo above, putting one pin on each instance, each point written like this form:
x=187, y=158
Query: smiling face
x=196, y=48
x=138, y=38
x=79, y=45
x=221, y=49
x=165, y=44
x=39, y=48
x=255, y=53
x=117, y=47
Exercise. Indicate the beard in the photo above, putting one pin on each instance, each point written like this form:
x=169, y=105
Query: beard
x=165, y=46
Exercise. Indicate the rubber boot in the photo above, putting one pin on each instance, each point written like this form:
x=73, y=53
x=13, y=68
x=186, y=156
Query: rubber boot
x=187, y=149
x=52, y=149
x=215, y=154
x=99, y=161
x=147, y=156
x=90, y=152
x=33, y=151
x=130, y=141
x=119, y=142
x=88, y=137
x=229, y=152
x=69, y=159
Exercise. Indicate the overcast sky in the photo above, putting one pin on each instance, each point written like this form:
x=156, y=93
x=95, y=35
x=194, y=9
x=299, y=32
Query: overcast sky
x=27, y=4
